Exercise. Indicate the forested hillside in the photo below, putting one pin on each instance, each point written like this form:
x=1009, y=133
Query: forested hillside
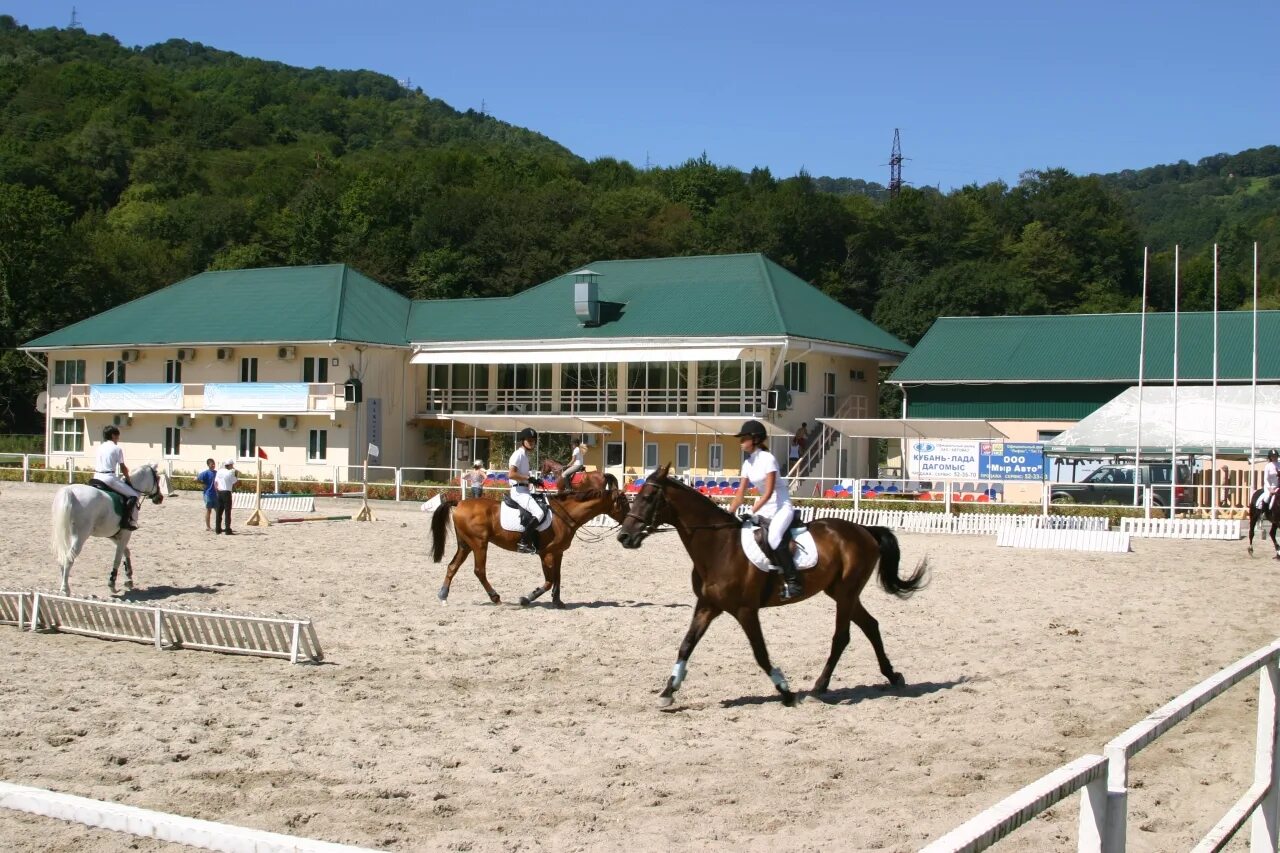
x=123, y=170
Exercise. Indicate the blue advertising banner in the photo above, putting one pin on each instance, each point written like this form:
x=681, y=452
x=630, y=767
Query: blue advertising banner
x=1007, y=460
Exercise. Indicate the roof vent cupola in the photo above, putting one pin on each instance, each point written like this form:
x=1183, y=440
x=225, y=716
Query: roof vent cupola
x=586, y=297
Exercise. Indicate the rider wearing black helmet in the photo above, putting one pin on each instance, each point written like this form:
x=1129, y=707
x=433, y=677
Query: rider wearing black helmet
x=519, y=469
x=773, y=507
x=1270, y=481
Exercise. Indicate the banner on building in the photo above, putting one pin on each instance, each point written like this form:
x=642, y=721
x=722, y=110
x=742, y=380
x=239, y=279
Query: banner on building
x=942, y=459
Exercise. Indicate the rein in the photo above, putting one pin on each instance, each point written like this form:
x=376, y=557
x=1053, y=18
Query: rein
x=578, y=529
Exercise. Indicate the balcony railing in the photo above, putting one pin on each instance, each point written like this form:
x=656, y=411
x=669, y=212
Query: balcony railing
x=594, y=401
x=249, y=397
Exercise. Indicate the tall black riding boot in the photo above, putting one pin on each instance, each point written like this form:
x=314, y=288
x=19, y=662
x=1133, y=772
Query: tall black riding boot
x=130, y=509
x=528, y=539
x=791, y=586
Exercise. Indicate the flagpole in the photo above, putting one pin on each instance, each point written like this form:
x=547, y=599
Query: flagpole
x=1213, y=491
x=1173, y=455
x=365, y=513
x=258, y=519
x=1142, y=358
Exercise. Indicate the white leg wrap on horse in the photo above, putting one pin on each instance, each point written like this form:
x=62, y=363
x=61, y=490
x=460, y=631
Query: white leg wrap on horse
x=779, y=680
x=677, y=674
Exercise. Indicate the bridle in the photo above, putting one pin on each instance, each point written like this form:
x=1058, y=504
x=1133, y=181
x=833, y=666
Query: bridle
x=156, y=495
x=649, y=520
x=579, y=532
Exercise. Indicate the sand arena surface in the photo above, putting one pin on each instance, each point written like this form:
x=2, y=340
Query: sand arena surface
x=474, y=727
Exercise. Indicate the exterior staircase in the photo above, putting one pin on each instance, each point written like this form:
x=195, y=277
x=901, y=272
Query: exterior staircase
x=853, y=406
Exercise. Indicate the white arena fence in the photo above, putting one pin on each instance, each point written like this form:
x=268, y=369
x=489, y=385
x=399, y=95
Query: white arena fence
x=293, y=640
x=1104, y=814
x=1064, y=540
x=1182, y=528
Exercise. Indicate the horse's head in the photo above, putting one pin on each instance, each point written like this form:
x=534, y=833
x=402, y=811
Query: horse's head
x=150, y=483
x=649, y=509
x=620, y=505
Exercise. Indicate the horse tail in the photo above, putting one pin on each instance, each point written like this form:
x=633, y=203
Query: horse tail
x=61, y=542
x=438, y=520
x=890, y=558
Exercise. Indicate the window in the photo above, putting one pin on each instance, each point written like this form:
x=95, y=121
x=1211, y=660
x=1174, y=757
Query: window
x=113, y=373
x=70, y=372
x=172, y=442
x=588, y=387
x=173, y=371
x=249, y=369
x=715, y=458
x=797, y=376
x=828, y=394
x=613, y=454
x=315, y=369
x=318, y=445
x=524, y=387
x=1047, y=434
x=650, y=456
x=728, y=387
x=248, y=443
x=682, y=458
x=657, y=387
x=68, y=435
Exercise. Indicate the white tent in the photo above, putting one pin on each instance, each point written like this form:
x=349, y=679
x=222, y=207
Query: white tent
x=1113, y=428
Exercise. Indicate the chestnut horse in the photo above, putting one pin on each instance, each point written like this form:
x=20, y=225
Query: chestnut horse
x=724, y=581
x=476, y=526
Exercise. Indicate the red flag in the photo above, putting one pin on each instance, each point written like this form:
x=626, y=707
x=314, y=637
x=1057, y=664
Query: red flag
x=262, y=454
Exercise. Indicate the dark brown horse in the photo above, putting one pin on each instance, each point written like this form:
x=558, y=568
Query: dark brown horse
x=1256, y=515
x=476, y=526
x=726, y=582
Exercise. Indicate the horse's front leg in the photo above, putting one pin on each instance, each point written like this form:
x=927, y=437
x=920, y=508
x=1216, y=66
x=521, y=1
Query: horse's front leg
x=128, y=570
x=550, y=578
x=749, y=619
x=115, y=567
x=703, y=615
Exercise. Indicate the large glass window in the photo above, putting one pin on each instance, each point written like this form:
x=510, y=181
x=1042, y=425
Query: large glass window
x=657, y=387
x=728, y=387
x=173, y=371
x=797, y=376
x=524, y=387
x=249, y=370
x=69, y=372
x=588, y=387
x=68, y=435
x=113, y=373
x=315, y=369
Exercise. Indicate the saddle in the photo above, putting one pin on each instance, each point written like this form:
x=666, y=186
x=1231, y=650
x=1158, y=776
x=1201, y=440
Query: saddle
x=117, y=499
x=755, y=544
x=515, y=518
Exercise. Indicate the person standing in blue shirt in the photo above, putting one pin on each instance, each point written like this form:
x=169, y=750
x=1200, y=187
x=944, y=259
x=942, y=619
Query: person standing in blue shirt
x=205, y=478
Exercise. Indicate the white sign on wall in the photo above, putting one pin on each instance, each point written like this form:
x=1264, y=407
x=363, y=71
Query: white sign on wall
x=941, y=459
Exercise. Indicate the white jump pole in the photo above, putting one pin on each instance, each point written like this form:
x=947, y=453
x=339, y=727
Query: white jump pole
x=1142, y=360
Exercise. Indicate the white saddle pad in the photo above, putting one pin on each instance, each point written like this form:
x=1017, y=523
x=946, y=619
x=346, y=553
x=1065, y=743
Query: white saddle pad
x=510, y=519
x=806, y=549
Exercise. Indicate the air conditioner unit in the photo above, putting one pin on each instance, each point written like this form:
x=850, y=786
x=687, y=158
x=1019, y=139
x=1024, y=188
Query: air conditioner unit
x=289, y=423
x=121, y=420
x=186, y=355
x=287, y=353
x=129, y=356
x=224, y=422
x=774, y=398
x=182, y=421
x=225, y=353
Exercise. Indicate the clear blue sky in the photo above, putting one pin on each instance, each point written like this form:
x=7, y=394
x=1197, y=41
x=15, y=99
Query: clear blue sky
x=980, y=90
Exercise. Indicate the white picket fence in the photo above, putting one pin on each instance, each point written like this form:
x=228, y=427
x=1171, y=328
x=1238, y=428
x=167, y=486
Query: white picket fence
x=1064, y=540
x=984, y=522
x=163, y=627
x=1104, y=815
x=1182, y=528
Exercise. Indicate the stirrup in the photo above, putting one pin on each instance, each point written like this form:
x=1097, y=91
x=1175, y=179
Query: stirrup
x=791, y=588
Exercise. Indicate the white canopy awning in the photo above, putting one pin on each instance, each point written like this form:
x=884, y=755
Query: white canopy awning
x=569, y=356
x=693, y=424
x=517, y=422
x=913, y=428
x=1113, y=428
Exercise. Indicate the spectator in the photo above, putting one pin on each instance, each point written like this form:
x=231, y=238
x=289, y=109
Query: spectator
x=225, y=481
x=207, y=478
x=802, y=436
x=474, y=479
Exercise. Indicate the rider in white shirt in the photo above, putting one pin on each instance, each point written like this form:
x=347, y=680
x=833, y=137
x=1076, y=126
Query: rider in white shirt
x=518, y=471
x=578, y=463
x=773, y=507
x=111, y=457
x=1270, y=481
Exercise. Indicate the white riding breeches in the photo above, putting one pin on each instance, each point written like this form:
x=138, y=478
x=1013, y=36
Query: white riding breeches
x=117, y=484
x=524, y=499
x=780, y=518
x=571, y=470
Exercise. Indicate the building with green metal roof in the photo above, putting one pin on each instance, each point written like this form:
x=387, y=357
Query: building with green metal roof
x=663, y=358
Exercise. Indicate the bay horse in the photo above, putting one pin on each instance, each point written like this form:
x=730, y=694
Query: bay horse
x=1256, y=515
x=476, y=525
x=725, y=581
x=81, y=511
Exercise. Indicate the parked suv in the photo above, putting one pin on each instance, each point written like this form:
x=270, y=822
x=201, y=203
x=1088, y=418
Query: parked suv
x=1113, y=484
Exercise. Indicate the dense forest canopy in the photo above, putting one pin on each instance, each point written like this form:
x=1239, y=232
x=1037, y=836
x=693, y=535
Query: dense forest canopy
x=123, y=170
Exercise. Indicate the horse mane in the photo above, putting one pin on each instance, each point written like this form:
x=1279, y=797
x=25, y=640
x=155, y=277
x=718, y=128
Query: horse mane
x=691, y=490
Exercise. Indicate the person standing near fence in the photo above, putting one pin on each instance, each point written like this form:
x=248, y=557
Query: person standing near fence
x=474, y=480
x=207, y=478
x=225, y=482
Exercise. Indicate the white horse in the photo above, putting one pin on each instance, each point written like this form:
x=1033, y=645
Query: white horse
x=83, y=511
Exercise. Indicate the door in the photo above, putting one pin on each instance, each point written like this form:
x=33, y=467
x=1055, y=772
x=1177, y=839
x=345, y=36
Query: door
x=828, y=395
x=613, y=459
x=682, y=458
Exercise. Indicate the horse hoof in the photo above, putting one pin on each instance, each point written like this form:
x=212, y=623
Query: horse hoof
x=443, y=594
x=128, y=586
x=524, y=601
x=897, y=680
x=666, y=701
x=789, y=699
x=111, y=587
x=559, y=605
x=495, y=598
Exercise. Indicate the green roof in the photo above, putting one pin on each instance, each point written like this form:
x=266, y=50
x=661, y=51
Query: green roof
x=319, y=303
x=1092, y=348
x=704, y=296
